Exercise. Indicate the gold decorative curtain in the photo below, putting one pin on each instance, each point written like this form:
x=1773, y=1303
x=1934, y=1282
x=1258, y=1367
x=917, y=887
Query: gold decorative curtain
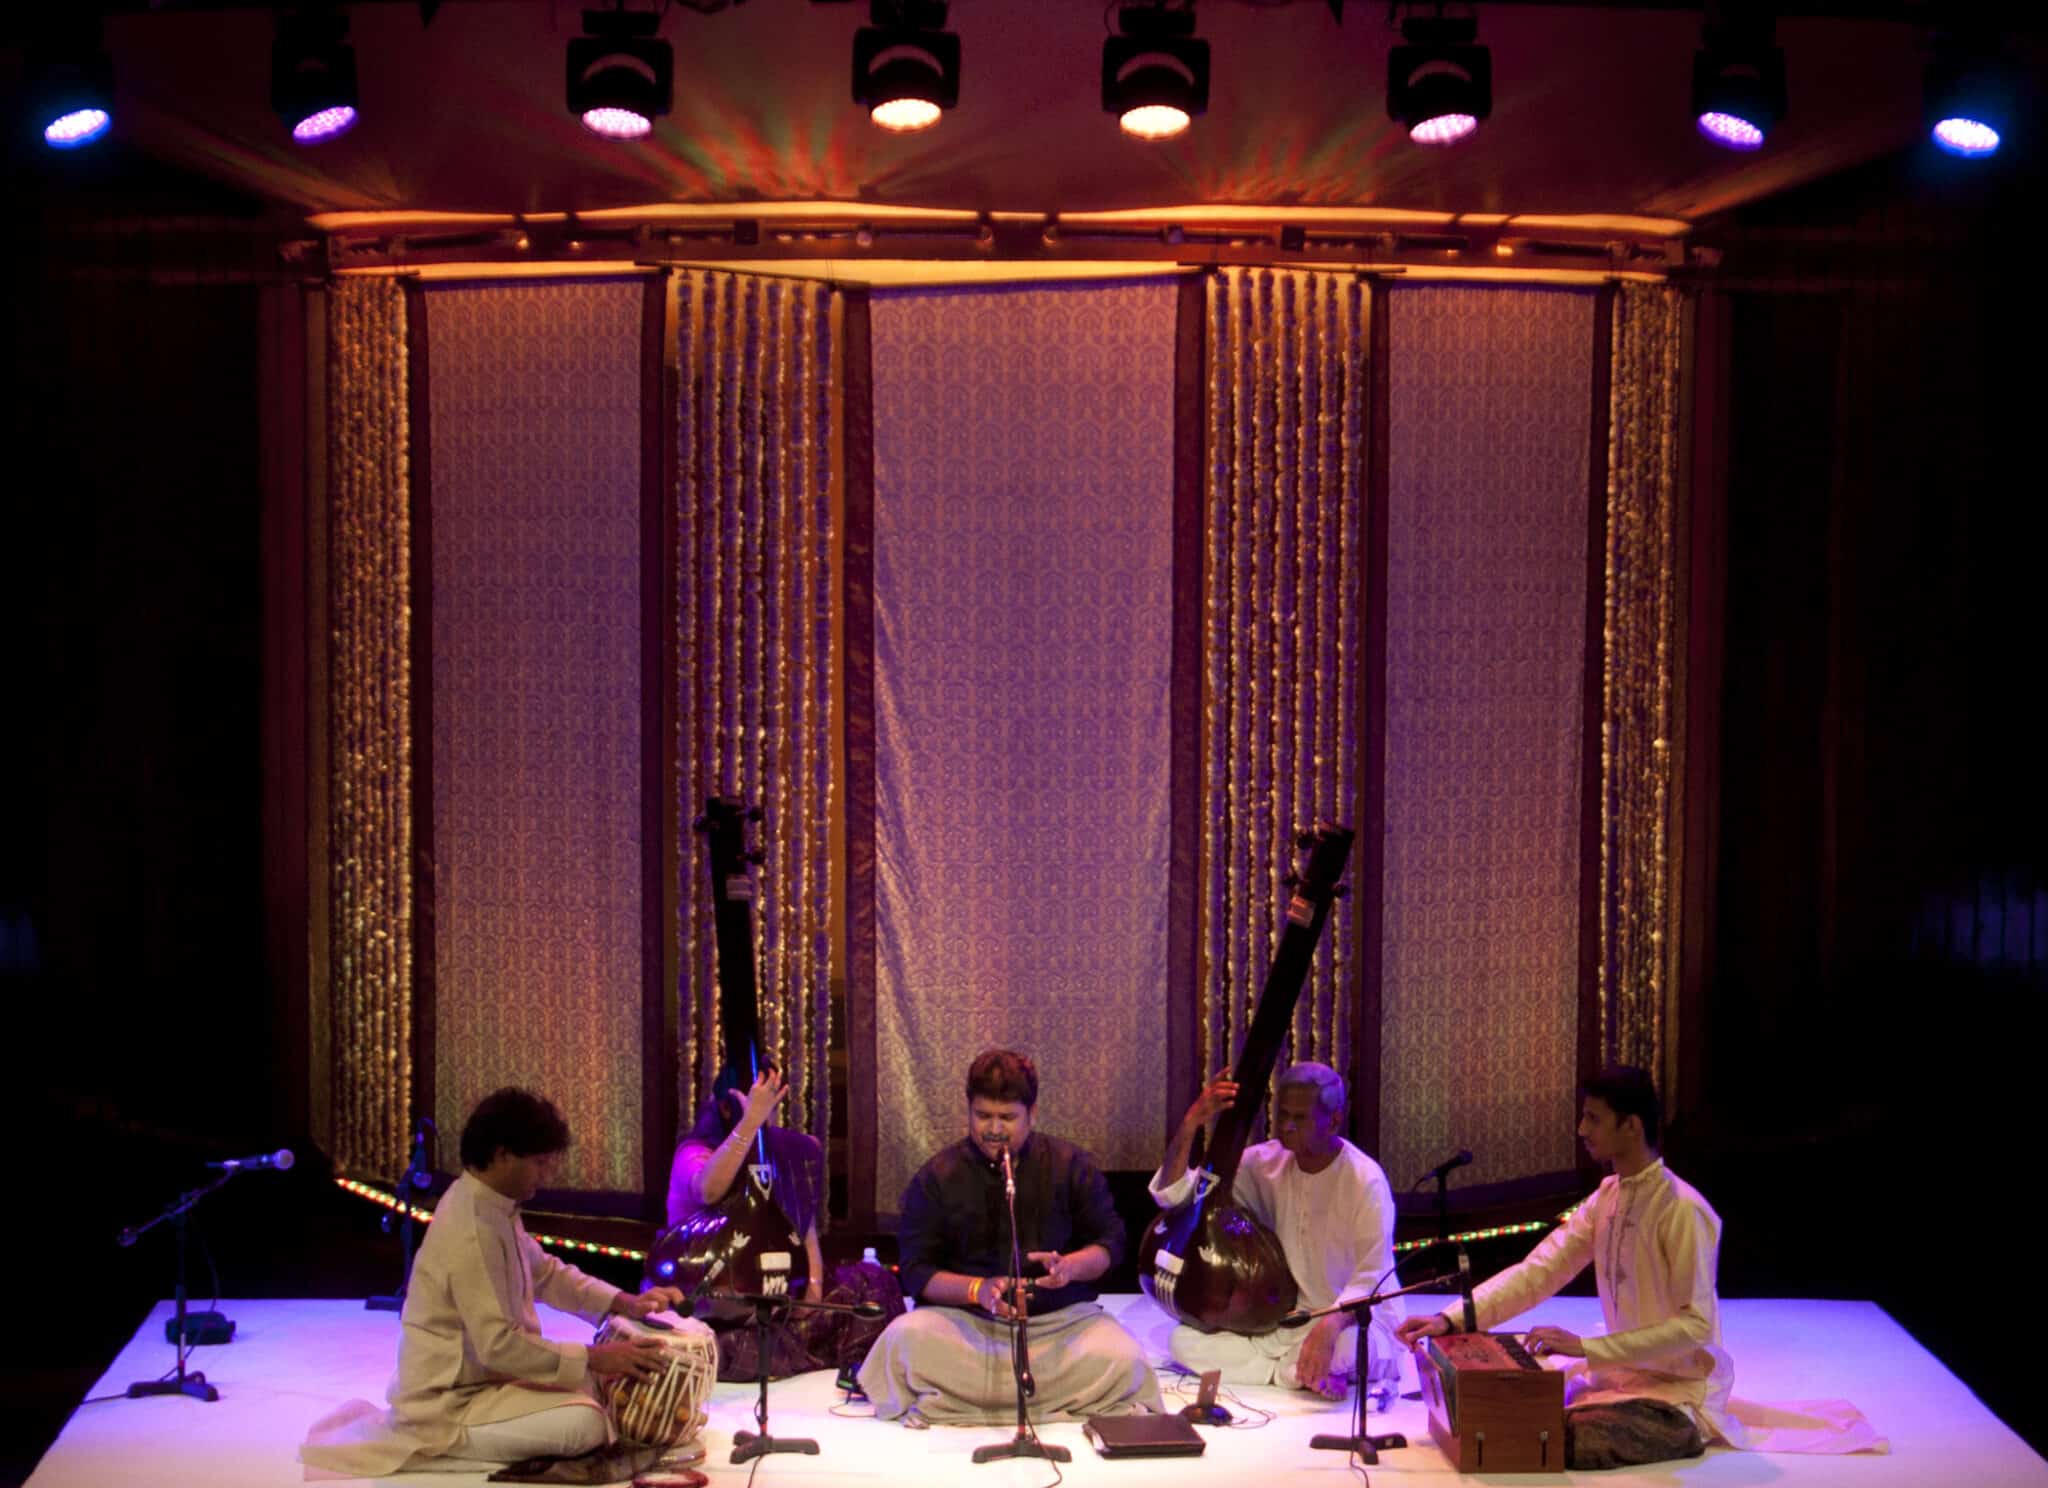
x=756, y=362
x=369, y=970
x=1640, y=768
x=1282, y=637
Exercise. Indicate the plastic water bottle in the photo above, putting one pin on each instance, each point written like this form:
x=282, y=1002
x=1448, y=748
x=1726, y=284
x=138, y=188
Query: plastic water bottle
x=868, y=1255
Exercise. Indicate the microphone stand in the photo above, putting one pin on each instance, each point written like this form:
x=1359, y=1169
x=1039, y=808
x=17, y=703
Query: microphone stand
x=417, y=1175
x=1025, y=1443
x=180, y=1382
x=747, y=1445
x=1367, y=1447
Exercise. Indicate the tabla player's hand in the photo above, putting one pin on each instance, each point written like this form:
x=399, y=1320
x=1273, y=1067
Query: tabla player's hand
x=1566, y=1344
x=768, y=1090
x=1217, y=1097
x=635, y=1358
x=1413, y=1330
x=1055, y=1268
x=654, y=1299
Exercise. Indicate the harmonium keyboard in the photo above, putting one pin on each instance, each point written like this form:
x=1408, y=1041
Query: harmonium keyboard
x=1492, y=1408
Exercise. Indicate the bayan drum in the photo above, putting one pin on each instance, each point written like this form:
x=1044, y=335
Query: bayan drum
x=667, y=1410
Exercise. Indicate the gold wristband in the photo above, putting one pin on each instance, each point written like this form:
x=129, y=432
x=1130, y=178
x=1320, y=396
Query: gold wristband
x=974, y=1292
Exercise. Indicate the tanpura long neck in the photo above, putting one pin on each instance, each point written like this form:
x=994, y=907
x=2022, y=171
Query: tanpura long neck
x=1262, y=1044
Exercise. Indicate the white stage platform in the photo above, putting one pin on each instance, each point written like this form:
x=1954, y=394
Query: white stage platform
x=292, y=1361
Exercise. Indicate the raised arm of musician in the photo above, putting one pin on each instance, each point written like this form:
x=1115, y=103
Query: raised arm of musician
x=727, y=1158
x=814, y=1291
x=1216, y=1098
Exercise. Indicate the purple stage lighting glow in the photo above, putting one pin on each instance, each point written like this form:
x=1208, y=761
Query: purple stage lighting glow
x=79, y=127
x=1444, y=129
x=1966, y=137
x=325, y=125
x=618, y=123
x=1731, y=131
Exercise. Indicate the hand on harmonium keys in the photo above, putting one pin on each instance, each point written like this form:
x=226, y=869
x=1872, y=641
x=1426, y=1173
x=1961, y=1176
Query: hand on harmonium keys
x=1545, y=1339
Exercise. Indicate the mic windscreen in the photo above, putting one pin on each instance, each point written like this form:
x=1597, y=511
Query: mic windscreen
x=867, y=1309
x=282, y=1159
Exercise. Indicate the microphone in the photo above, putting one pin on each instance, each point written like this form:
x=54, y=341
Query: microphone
x=1447, y=1166
x=280, y=1159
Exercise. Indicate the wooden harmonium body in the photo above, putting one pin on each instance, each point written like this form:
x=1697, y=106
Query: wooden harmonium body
x=1492, y=1407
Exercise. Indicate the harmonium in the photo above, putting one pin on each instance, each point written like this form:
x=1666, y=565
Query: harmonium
x=1492, y=1408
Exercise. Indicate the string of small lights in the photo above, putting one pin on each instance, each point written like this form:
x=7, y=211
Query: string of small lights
x=588, y=1247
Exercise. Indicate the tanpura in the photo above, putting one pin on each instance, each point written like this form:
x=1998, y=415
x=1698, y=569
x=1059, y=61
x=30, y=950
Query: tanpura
x=1208, y=1261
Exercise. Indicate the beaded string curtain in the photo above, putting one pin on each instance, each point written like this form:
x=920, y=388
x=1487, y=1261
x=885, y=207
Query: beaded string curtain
x=535, y=402
x=369, y=716
x=1023, y=598
x=1639, y=766
x=1489, y=413
x=757, y=464
x=1282, y=609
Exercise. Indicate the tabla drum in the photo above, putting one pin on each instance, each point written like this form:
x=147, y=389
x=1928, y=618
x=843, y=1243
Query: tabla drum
x=667, y=1410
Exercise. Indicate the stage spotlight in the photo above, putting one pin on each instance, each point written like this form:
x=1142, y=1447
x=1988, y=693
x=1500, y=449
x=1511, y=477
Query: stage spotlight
x=1155, y=76
x=71, y=85
x=906, y=66
x=1970, y=93
x=621, y=74
x=313, y=75
x=1439, y=81
x=1738, y=83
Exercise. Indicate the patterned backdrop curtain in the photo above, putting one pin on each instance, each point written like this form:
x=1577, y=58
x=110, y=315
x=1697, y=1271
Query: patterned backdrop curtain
x=755, y=361
x=366, y=985
x=1023, y=599
x=1489, y=412
x=535, y=428
x=1282, y=605
x=1640, y=765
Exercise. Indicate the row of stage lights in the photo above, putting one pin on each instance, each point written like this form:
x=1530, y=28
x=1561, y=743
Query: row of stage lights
x=1155, y=77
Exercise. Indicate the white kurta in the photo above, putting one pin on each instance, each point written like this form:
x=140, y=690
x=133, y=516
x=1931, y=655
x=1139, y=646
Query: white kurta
x=1654, y=1244
x=470, y=1351
x=1336, y=1229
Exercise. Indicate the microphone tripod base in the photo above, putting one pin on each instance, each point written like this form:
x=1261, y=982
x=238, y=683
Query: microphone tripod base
x=747, y=1445
x=385, y=1304
x=194, y=1385
x=1368, y=1448
x=1021, y=1445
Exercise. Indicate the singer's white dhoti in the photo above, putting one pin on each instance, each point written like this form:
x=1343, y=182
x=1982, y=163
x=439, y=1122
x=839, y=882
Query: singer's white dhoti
x=953, y=1367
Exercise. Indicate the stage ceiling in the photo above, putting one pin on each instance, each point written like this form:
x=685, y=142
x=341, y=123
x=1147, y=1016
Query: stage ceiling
x=466, y=114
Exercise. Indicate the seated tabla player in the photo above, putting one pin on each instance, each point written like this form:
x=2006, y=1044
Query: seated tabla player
x=477, y=1384
x=1655, y=1385
x=949, y=1360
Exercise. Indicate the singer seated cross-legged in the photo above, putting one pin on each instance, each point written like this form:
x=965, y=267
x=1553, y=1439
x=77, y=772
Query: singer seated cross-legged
x=1654, y=1386
x=950, y=1360
x=477, y=1384
x=1333, y=1212
x=726, y=1142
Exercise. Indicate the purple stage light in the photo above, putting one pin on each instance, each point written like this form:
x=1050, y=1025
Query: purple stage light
x=1731, y=131
x=316, y=128
x=617, y=123
x=1444, y=129
x=1966, y=137
x=79, y=127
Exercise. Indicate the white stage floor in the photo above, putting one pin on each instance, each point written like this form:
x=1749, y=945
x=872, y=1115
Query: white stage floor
x=292, y=1361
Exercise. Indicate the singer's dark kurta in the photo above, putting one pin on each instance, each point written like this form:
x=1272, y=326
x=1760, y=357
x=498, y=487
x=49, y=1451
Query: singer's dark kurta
x=953, y=1364
x=955, y=1217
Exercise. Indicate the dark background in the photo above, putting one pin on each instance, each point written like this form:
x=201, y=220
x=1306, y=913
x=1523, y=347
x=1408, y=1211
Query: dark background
x=1873, y=992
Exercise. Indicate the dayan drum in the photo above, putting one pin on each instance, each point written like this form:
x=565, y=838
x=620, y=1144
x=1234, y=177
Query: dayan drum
x=667, y=1410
